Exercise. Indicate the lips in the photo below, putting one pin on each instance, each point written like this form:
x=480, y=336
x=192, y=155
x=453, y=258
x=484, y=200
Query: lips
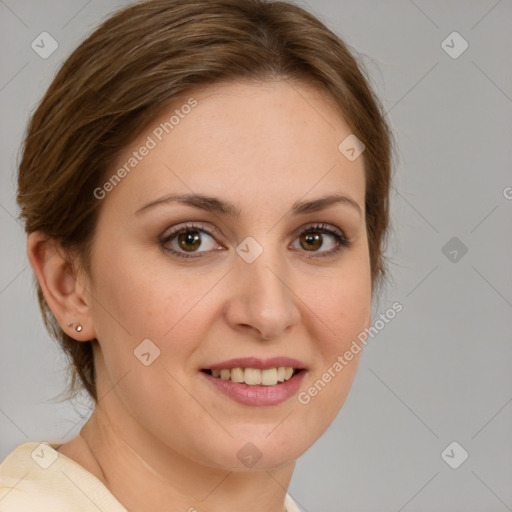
x=254, y=381
x=261, y=364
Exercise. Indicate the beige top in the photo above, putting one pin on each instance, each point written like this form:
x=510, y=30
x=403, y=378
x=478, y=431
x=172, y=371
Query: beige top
x=36, y=477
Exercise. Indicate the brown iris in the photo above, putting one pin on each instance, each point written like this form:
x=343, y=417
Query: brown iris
x=311, y=241
x=189, y=237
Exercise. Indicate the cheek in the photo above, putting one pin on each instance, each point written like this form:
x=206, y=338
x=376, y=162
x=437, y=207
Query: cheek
x=342, y=310
x=342, y=303
x=132, y=296
x=141, y=297
x=347, y=313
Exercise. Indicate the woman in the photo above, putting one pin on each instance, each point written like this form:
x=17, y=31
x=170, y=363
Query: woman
x=205, y=190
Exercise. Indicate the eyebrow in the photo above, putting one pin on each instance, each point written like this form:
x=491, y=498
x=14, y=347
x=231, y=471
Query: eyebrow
x=216, y=205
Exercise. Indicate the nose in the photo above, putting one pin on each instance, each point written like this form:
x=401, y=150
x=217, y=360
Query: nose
x=261, y=297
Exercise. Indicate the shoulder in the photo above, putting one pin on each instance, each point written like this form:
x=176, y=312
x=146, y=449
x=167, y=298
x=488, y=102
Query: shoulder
x=36, y=477
x=290, y=505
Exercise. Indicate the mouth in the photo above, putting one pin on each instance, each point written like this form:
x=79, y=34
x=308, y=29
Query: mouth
x=256, y=382
x=255, y=376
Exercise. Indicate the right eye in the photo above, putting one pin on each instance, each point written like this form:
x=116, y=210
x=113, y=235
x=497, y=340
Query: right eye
x=186, y=240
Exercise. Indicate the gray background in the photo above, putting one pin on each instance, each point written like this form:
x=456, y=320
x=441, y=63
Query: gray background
x=441, y=370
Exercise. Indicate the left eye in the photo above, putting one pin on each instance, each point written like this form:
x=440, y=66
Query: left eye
x=314, y=239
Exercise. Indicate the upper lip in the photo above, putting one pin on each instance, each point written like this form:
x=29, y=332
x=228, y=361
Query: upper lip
x=255, y=362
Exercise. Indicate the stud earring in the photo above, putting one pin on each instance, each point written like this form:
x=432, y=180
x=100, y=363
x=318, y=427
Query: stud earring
x=78, y=328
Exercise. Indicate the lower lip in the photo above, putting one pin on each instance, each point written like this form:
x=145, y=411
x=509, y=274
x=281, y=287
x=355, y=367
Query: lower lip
x=258, y=395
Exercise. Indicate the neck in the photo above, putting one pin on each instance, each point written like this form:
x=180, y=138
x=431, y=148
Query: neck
x=145, y=476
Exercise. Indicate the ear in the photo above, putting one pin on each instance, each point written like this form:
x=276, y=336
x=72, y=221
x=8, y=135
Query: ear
x=64, y=291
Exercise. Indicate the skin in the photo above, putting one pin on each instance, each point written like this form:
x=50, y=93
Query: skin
x=163, y=428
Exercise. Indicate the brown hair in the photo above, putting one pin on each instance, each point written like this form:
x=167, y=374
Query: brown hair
x=134, y=65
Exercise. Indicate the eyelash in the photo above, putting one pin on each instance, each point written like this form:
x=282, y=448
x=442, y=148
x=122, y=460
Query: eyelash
x=342, y=241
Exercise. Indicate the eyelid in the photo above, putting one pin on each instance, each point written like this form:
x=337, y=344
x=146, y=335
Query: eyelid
x=200, y=226
x=320, y=226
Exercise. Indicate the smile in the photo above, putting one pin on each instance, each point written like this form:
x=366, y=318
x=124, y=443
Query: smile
x=255, y=376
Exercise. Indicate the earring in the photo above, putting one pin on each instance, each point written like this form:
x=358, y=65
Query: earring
x=78, y=328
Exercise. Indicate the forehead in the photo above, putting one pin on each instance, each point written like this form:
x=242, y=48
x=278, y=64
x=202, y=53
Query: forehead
x=266, y=141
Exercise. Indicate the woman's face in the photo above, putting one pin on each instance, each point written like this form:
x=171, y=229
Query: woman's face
x=247, y=265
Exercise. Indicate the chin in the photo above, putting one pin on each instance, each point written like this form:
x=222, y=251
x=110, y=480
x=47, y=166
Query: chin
x=256, y=448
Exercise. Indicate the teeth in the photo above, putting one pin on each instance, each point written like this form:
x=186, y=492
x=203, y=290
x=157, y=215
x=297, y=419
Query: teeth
x=254, y=376
x=237, y=374
x=269, y=377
